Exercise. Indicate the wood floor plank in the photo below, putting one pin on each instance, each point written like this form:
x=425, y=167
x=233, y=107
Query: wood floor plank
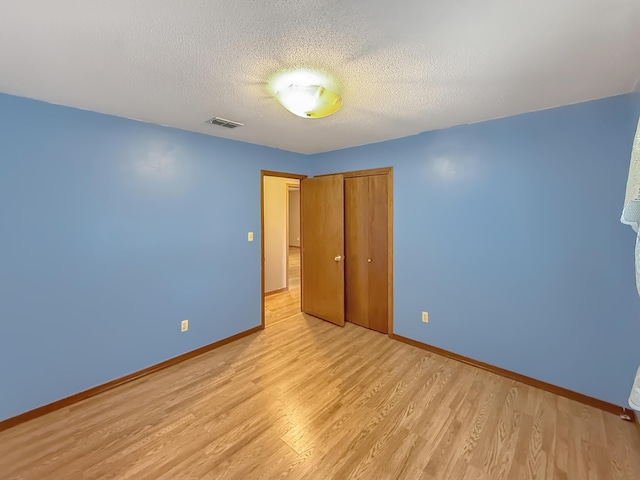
x=304, y=399
x=283, y=305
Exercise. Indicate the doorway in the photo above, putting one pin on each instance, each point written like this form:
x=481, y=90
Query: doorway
x=346, y=219
x=281, y=245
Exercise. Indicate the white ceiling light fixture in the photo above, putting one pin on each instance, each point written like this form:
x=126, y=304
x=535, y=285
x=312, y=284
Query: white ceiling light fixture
x=306, y=93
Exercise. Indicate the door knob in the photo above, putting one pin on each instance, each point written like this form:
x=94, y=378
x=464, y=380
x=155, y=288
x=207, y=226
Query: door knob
x=369, y=260
x=338, y=258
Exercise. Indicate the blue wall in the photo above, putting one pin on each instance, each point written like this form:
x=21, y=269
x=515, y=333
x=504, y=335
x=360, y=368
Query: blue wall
x=508, y=233
x=112, y=232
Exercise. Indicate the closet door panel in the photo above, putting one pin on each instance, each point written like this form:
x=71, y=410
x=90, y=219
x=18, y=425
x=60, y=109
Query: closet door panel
x=356, y=211
x=322, y=228
x=378, y=288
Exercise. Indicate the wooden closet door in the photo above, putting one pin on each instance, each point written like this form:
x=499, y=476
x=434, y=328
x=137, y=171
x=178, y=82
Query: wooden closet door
x=366, y=240
x=377, y=262
x=322, y=229
x=356, y=231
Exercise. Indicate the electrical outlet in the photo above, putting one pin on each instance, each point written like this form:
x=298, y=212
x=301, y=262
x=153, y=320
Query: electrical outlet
x=425, y=317
x=250, y=237
x=184, y=325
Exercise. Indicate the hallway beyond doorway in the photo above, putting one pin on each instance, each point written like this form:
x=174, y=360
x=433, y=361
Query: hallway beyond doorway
x=283, y=305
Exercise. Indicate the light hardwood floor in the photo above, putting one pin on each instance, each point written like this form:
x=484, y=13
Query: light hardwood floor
x=283, y=305
x=304, y=399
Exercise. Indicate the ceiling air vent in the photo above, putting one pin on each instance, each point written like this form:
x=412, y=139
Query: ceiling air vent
x=223, y=122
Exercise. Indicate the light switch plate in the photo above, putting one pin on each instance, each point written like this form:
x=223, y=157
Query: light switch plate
x=425, y=317
x=250, y=237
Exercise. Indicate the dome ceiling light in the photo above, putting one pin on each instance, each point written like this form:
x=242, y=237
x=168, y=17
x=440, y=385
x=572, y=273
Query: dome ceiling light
x=306, y=93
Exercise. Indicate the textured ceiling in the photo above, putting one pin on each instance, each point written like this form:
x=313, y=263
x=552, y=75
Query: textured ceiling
x=401, y=67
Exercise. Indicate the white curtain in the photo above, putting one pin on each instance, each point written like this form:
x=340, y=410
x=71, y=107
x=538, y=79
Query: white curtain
x=631, y=210
x=631, y=216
